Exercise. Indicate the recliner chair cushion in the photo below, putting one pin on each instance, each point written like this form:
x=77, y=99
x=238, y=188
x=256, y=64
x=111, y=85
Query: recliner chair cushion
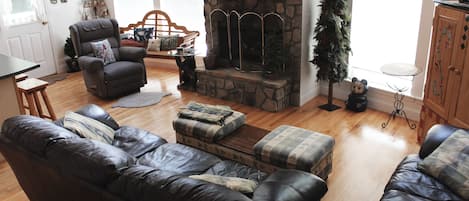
x=122, y=70
x=90, y=160
x=179, y=158
x=33, y=133
x=135, y=141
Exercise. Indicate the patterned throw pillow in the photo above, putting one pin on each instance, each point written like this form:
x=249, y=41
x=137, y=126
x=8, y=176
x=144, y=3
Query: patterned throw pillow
x=169, y=42
x=449, y=163
x=154, y=44
x=102, y=49
x=143, y=34
x=233, y=183
x=88, y=128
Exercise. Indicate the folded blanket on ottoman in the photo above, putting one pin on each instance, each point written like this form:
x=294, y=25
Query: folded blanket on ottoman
x=215, y=114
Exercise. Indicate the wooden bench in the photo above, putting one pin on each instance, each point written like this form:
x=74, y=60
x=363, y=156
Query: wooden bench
x=163, y=26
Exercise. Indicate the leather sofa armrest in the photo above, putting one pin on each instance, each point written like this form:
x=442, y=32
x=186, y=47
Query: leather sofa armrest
x=435, y=136
x=291, y=185
x=135, y=54
x=90, y=64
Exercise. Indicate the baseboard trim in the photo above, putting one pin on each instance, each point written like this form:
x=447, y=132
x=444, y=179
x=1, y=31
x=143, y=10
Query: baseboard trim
x=377, y=99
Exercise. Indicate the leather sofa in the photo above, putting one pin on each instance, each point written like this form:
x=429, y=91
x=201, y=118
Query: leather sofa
x=410, y=184
x=52, y=163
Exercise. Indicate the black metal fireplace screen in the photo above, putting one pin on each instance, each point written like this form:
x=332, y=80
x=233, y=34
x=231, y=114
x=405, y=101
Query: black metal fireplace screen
x=248, y=41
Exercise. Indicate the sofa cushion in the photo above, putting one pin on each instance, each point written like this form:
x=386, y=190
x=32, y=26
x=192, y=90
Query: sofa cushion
x=135, y=141
x=33, y=133
x=90, y=160
x=122, y=70
x=407, y=178
x=88, y=127
x=234, y=183
x=97, y=113
x=233, y=169
x=179, y=158
x=147, y=184
x=394, y=195
x=291, y=185
x=449, y=163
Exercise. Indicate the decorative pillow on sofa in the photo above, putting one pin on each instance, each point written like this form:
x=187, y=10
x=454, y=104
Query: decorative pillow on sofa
x=449, y=163
x=154, y=44
x=88, y=128
x=102, y=49
x=169, y=42
x=234, y=183
x=143, y=34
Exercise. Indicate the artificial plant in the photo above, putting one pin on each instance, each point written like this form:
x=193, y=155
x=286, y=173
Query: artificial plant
x=332, y=34
x=71, y=59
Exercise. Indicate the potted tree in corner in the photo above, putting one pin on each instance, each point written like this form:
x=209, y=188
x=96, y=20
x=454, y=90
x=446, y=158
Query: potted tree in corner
x=71, y=59
x=332, y=33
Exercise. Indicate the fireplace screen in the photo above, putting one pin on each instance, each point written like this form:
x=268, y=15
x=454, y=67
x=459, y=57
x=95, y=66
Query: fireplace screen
x=249, y=41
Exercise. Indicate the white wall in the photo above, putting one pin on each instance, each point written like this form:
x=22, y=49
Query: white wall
x=309, y=87
x=60, y=17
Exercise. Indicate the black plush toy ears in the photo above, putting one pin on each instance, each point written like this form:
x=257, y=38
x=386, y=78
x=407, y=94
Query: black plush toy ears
x=354, y=79
x=364, y=82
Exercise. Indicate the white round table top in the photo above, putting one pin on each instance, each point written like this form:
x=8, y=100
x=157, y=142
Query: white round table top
x=400, y=69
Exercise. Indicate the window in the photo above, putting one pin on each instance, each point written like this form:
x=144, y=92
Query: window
x=17, y=12
x=131, y=11
x=188, y=13
x=383, y=32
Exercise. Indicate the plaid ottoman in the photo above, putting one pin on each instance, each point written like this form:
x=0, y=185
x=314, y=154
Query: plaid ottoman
x=208, y=132
x=296, y=148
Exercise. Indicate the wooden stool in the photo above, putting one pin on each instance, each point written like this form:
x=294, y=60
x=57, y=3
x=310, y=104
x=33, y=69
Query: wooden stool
x=30, y=88
x=21, y=77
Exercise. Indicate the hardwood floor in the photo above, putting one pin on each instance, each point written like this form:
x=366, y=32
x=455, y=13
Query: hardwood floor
x=365, y=155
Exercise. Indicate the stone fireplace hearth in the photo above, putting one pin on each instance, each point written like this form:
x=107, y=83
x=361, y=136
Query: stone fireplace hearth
x=239, y=33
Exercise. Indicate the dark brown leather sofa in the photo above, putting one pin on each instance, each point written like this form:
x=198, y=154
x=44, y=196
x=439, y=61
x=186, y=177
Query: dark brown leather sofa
x=53, y=164
x=410, y=184
x=126, y=75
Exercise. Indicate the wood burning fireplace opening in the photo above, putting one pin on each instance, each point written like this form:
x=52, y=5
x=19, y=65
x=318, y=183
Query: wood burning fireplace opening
x=249, y=42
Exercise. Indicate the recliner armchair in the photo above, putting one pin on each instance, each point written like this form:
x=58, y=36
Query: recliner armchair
x=124, y=76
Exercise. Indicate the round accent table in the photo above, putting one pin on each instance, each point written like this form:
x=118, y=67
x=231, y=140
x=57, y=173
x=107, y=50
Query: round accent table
x=399, y=70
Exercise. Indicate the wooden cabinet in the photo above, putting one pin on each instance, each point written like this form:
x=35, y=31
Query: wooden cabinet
x=446, y=98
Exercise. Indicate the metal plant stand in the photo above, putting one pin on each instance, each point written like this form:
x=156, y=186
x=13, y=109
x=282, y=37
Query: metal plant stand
x=398, y=107
x=399, y=70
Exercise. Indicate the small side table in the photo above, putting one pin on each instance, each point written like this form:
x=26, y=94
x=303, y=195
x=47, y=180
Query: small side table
x=186, y=65
x=399, y=69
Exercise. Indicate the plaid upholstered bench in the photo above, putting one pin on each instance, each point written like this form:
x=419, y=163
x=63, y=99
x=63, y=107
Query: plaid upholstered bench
x=296, y=148
x=284, y=147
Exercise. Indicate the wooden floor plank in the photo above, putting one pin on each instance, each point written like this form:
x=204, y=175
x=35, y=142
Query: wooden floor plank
x=365, y=155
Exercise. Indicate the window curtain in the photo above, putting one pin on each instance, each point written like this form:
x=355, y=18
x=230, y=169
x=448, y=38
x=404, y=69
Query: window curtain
x=10, y=18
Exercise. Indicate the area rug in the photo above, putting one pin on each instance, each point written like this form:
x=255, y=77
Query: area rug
x=141, y=99
x=51, y=79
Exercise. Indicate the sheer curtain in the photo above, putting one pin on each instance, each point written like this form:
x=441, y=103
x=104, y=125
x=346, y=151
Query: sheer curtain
x=17, y=12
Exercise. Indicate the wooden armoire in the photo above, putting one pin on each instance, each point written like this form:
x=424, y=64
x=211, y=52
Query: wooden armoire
x=446, y=98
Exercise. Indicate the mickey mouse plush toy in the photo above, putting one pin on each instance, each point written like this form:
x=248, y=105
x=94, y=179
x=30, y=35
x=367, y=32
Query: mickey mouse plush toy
x=357, y=100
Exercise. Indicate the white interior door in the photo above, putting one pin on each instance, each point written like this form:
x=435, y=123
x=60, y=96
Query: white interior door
x=25, y=34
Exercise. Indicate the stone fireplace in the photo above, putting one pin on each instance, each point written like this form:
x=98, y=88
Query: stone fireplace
x=240, y=34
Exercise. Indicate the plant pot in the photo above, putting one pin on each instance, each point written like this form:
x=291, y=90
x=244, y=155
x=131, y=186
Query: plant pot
x=72, y=64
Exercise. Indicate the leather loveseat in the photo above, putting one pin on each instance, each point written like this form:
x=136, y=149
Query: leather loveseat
x=410, y=184
x=52, y=163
